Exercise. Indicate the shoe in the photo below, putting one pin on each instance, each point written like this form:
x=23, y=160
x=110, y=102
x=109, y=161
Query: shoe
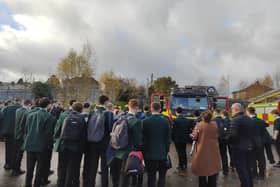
x=17, y=173
x=182, y=173
x=272, y=162
x=45, y=182
x=51, y=172
x=7, y=167
x=277, y=165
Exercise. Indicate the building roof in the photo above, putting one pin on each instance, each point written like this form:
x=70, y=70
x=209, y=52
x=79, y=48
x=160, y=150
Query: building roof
x=252, y=86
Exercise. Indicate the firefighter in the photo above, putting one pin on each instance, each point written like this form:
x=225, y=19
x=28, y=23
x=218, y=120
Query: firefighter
x=258, y=164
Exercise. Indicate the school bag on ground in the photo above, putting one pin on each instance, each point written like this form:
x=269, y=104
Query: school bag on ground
x=96, y=126
x=72, y=127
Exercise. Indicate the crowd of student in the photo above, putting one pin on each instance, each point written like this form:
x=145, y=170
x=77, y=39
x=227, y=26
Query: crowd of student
x=125, y=145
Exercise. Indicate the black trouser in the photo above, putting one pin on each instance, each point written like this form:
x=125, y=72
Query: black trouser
x=34, y=159
x=258, y=162
x=182, y=155
x=9, y=151
x=121, y=179
x=18, y=155
x=277, y=146
x=154, y=166
x=223, y=151
x=230, y=156
x=47, y=161
x=69, y=169
x=242, y=164
x=94, y=152
x=210, y=181
x=268, y=151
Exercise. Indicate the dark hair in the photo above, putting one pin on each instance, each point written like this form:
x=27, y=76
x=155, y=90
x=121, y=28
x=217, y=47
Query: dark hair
x=86, y=105
x=156, y=106
x=275, y=111
x=196, y=113
x=225, y=113
x=179, y=110
x=44, y=102
x=103, y=99
x=17, y=100
x=251, y=110
x=27, y=102
x=133, y=103
x=146, y=108
x=78, y=107
x=37, y=102
x=206, y=116
x=72, y=101
x=218, y=111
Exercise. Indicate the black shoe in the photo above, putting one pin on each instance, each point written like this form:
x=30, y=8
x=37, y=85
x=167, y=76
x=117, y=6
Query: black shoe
x=225, y=173
x=51, y=172
x=45, y=182
x=272, y=162
x=7, y=167
x=261, y=177
x=277, y=165
x=17, y=173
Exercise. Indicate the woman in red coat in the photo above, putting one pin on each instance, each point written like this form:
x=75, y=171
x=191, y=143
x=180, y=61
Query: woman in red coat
x=206, y=160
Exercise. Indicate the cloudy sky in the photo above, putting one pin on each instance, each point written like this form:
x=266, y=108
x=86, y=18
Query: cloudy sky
x=186, y=39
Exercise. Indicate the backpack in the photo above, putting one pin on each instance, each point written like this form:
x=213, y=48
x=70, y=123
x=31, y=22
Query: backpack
x=135, y=163
x=96, y=126
x=119, y=134
x=72, y=127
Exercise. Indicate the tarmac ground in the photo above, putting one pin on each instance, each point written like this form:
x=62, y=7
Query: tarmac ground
x=172, y=179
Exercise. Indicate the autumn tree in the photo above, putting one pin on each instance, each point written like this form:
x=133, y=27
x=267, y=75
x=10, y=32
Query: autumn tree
x=267, y=81
x=164, y=84
x=110, y=84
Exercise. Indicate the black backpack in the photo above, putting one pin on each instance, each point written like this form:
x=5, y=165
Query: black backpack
x=73, y=126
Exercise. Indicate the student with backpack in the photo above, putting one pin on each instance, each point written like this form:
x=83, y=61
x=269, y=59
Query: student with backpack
x=126, y=139
x=73, y=136
x=38, y=135
x=156, y=141
x=98, y=137
x=223, y=144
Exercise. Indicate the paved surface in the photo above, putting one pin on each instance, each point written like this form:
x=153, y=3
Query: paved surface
x=272, y=180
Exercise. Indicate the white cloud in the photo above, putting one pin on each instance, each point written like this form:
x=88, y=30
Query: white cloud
x=186, y=39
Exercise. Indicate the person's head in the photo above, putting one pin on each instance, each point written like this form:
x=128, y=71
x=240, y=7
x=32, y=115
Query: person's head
x=236, y=108
x=146, y=108
x=103, y=100
x=110, y=107
x=45, y=103
x=197, y=113
x=27, y=103
x=250, y=111
x=133, y=105
x=78, y=107
x=225, y=114
x=217, y=112
x=206, y=116
x=86, y=107
x=155, y=107
x=179, y=110
x=17, y=100
x=275, y=112
x=72, y=102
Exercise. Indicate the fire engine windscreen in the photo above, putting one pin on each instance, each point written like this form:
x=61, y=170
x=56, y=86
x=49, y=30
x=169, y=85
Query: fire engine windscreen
x=189, y=103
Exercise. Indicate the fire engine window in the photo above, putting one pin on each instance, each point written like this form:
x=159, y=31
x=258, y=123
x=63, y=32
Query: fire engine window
x=189, y=103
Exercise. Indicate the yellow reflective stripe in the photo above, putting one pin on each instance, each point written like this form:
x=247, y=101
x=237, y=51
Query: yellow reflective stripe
x=263, y=105
x=260, y=116
x=271, y=118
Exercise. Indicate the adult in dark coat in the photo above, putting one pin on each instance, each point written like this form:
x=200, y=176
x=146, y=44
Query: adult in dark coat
x=8, y=132
x=258, y=158
x=276, y=133
x=182, y=128
x=241, y=134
